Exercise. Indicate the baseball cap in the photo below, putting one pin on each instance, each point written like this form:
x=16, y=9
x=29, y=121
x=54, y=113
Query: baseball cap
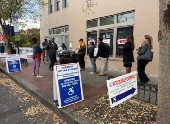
x=52, y=38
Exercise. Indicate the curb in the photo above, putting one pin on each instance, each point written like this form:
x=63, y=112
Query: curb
x=67, y=114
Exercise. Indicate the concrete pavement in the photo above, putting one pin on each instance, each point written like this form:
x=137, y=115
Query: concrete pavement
x=93, y=87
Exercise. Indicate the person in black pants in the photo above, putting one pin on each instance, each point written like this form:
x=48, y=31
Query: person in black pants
x=52, y=50
x=128, y=57
x=82, y=52
x=147, y=44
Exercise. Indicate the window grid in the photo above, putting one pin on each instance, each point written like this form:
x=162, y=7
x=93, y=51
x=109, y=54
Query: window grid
x=58, y=5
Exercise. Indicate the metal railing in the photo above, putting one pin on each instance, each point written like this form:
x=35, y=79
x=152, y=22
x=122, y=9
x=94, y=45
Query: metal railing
x=147, y=93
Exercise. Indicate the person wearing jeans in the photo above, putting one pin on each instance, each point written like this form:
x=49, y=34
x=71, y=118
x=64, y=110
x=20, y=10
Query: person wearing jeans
x=36, y=57
x=44, y=44
x=52, y=50
x=102, y=52
x=92, y=58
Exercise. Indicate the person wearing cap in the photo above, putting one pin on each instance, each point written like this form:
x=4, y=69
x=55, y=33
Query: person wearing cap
x=82, y=52
x=52, y=50
x=44, y=44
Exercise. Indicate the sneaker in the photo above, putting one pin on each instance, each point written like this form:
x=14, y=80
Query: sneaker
x=91, y=72
x=39, y=76
x=46, y=62
x=33, y=74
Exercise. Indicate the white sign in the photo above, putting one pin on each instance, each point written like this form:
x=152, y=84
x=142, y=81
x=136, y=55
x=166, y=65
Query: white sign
x=106, y=41
x=122, y=41
x=13, y=63
x=122, y=88
x=67, y=85
x=95, y=51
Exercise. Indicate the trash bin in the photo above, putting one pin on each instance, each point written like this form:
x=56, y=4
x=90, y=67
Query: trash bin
x=67, y=57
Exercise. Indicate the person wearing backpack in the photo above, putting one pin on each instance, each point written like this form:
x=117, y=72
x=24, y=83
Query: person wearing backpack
x=128, y=57
x=102, y=52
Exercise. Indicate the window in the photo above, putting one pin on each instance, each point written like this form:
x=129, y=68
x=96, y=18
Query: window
x=50, y=32
x=122, y=34
x=91, y=24
x=56, y=31
x=50, y=6
x=66, y=29
x=65, y=3
x=58, y=5
x=125, y=17
x=107, y=20
x=107, y=36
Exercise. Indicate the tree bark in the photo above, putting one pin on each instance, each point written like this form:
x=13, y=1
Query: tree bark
x=163, y=115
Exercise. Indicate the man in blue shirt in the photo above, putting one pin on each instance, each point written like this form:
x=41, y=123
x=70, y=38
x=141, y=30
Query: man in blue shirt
x=44, y=44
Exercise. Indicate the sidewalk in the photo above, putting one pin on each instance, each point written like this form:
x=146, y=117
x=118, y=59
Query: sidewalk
x=93, y=88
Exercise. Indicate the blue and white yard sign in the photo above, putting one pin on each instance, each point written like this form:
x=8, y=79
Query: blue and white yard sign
x=122, y=88
x=13, y=63
x=67, y=85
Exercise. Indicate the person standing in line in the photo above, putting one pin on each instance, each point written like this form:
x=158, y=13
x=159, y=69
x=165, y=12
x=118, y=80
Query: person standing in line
x=52, y=50
x=2, y=48
x=146, y=44
x=82, y=52
x=36, y=57
x=44, y=44
x=62, y=48
x=92, y=58
x=128, y=57
x=102, y=52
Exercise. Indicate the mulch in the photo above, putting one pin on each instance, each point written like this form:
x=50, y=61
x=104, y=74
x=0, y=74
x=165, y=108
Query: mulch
x=129, y=112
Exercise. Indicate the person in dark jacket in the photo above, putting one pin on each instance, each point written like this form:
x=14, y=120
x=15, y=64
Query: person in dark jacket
x=44, y=44
x=128, y=57
x=82, y=52
x=52, y=50
x=102, y=52
x=147, y=44
x=2, y=48
x=92, y=58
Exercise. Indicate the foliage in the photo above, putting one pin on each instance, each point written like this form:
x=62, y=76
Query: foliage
x=25, y=37
x=25, y=9
x=88, y=5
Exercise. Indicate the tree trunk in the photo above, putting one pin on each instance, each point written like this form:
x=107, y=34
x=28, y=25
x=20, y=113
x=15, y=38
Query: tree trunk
x=163, y=115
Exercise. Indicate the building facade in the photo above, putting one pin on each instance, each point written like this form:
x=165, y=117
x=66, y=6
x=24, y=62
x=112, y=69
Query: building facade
x=112, y=20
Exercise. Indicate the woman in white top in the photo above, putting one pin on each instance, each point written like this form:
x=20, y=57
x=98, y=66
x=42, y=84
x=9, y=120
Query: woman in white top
x=60, y=50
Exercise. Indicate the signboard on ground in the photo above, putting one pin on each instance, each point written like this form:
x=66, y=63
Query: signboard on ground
x=122, y=88
x=13, y=63
x=67, y=85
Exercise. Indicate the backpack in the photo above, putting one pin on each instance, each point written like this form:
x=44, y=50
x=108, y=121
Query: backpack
x=107, y=49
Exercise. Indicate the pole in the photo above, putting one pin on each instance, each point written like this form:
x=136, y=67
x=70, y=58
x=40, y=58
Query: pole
x=18, y=46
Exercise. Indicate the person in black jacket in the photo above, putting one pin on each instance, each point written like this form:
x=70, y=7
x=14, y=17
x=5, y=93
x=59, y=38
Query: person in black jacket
x=128, y=57
x=2, y=48
x=52, y=50
x=147, y=44
x=92, y=58
x=102, y=52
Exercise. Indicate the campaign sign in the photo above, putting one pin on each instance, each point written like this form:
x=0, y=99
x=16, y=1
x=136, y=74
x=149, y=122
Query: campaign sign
x=68, y=84
x=122, y=88
x=122, y=41
x=13, y=63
